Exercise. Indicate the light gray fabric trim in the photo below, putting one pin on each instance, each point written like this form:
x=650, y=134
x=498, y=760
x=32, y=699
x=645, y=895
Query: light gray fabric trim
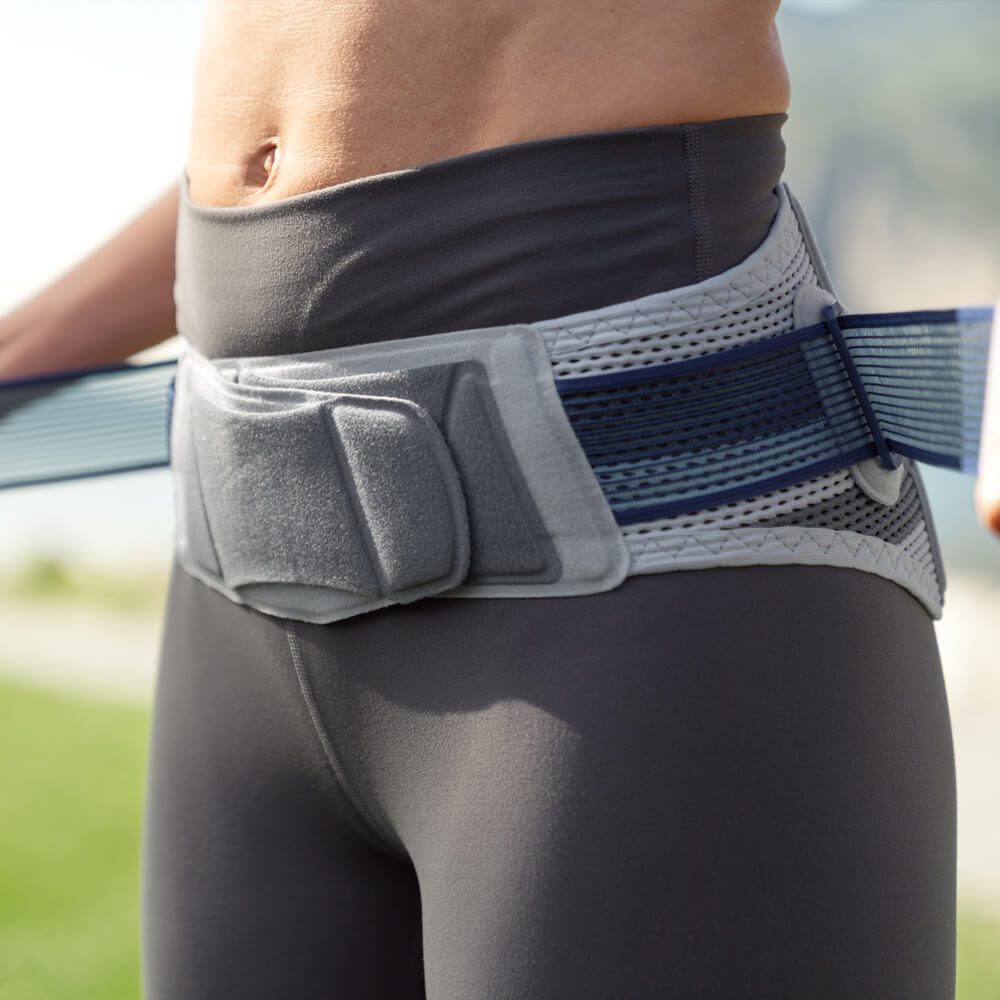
x=194, y=536
x=779, y=546
x=812, y=247
x=938, y=559
x=877, y=481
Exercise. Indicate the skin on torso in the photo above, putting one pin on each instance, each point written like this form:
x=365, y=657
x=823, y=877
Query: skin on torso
x=296, y=95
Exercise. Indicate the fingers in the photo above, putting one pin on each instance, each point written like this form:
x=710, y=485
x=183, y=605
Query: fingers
x=988, y=484
x=988, y=503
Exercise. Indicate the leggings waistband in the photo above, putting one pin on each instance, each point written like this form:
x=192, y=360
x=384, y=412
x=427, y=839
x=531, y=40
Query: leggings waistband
x=515, y=234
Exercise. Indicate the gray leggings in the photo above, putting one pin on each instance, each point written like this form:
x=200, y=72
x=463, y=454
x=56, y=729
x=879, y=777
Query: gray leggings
x=724, y=783
x=734, y=782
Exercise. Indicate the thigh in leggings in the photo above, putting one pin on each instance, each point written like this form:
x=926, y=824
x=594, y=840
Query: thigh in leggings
x=729, y=782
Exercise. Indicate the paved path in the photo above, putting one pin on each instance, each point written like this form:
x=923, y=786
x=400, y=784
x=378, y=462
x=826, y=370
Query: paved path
x=100, y=654
x=76, y=648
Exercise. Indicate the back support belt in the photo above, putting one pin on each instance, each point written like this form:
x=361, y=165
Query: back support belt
x=321, y=485
x=923, y=374
x=510, y=461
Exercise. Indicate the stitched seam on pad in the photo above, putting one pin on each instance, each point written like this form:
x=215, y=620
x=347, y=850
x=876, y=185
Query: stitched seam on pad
x=331, y=754
x=700, y=221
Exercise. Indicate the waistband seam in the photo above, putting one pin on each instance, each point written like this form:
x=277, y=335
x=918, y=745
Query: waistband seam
x=701, y=223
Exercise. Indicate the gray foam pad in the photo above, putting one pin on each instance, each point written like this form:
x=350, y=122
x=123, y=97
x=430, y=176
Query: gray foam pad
x=311, y=489
x=332, y=494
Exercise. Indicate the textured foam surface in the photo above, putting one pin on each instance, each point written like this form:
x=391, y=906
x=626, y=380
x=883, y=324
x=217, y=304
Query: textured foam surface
x=352, y=492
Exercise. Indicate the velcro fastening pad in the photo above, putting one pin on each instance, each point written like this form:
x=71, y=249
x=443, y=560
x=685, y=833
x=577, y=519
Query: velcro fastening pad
x=321, y=485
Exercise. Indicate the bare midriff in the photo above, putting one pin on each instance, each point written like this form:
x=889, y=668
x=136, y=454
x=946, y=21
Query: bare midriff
x=297, y=95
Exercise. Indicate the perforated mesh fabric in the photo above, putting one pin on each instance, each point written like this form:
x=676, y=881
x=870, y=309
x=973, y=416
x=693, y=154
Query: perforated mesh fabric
x=822, y=519
x=752, y=511
x=678, y=437
x=825, y=521
x=854, y=510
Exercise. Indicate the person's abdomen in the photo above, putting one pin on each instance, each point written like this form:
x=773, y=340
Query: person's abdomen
x=294, y=98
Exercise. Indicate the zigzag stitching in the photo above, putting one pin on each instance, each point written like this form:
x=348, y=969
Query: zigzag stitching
x=622, y=325
x=879, y=553
x=851, y=542
x=567, y=340
x=693, y=306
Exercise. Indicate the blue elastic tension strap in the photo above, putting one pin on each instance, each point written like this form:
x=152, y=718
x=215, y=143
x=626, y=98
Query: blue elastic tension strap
x=86, y=423
x=889, y=461
x=683, y=436
x=662, y=439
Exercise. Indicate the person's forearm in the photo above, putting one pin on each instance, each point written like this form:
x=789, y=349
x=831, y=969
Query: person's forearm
x=117, y=301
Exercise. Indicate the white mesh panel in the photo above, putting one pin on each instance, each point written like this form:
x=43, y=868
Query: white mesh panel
x=743, y=512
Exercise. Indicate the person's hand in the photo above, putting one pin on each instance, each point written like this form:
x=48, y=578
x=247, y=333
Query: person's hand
x=988, y=484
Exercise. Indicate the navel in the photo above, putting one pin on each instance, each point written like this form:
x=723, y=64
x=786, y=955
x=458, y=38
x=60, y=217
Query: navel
x=262, y=166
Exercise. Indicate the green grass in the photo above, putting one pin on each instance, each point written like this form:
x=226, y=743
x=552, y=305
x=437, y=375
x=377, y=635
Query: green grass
x=71, y=776
x=978, y=956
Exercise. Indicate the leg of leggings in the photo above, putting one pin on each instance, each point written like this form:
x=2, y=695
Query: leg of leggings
x=712, y=784
x=260, y=879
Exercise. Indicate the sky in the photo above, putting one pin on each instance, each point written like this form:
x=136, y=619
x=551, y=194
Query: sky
x=97, y=96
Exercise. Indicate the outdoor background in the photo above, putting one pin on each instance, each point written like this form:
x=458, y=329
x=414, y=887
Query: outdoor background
x=894, y=147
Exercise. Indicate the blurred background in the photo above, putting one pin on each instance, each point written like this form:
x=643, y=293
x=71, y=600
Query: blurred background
x=894, y=148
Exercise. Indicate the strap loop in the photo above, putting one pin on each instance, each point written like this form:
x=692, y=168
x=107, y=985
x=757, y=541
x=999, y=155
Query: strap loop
x=889, y=460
